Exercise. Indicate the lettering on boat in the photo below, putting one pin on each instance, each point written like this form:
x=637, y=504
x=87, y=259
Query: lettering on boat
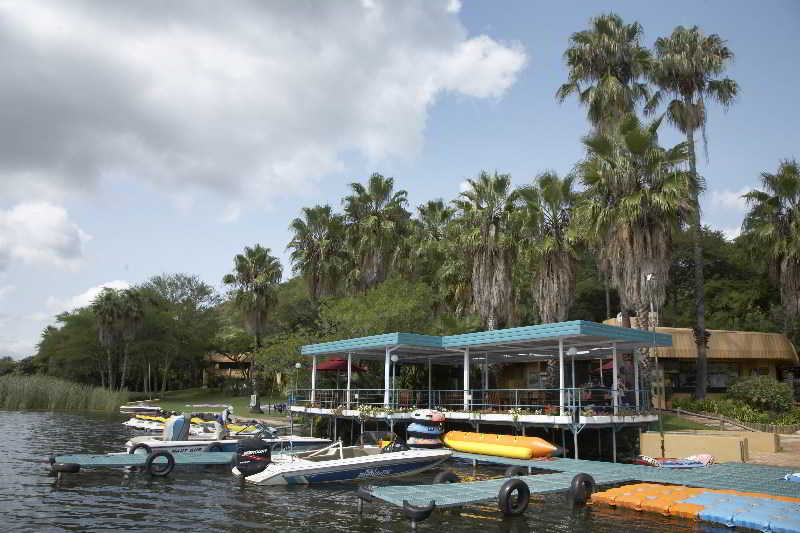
x=374, y=472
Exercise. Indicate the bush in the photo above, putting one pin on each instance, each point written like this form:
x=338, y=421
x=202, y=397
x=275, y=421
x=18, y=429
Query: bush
x=763, y=393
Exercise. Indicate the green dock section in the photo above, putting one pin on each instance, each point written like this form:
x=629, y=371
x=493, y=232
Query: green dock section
x=727, y=476
x=138, y=459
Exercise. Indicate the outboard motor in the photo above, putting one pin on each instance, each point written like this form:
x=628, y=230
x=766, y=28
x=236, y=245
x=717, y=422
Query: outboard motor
x=252, y=456
x=177, y=428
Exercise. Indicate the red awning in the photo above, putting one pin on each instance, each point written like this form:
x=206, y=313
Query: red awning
x=338, y=364
x=607, y=366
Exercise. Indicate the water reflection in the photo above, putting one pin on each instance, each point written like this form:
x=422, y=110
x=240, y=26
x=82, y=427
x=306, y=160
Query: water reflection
x=213, y=500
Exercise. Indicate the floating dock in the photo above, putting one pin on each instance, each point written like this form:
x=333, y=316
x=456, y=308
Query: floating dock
x=778, y=514
x=744, y=478
x=139, y=459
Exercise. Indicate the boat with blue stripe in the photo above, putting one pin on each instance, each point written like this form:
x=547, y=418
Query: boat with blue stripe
x=338, y=463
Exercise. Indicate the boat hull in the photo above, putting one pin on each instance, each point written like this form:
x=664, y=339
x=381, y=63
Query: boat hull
x=228, y=445
x=382, y=466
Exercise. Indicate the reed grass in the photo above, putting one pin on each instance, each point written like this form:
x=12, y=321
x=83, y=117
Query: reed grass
x=42, y=392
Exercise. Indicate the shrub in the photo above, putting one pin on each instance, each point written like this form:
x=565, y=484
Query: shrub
x=43, y=392
x=762, y=393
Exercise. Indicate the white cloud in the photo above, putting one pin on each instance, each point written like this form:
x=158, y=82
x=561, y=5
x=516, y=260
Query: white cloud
x=56, y=305
x=253, y=103
x=727, y=199
x=5, y=290
x=40, y=233
x=463, y=186
x=16, y=348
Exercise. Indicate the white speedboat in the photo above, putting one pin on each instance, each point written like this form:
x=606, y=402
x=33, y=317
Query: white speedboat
x=147, y=444
x=338, y=463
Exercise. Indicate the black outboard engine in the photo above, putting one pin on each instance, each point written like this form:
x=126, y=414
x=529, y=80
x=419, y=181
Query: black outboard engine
x=252, y=456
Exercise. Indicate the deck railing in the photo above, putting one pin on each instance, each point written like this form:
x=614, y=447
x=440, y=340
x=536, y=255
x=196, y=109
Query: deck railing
x=586, y=401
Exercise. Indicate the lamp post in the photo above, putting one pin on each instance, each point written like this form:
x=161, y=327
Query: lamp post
x=297, y=367
x=572, y=352
x=394, y=375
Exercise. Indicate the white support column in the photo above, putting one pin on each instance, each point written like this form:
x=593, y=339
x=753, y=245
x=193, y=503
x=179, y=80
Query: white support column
x=430, y=382
x=349, y=376
x=614, y=377
x=386, y=371
x=636, y=378
x=602, y=380
x=313, y=378
x=561, y=376
x=466, y=379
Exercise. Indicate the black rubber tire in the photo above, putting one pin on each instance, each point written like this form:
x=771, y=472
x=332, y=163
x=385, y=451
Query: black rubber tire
x=66, y=468
x=418, y=513
x=513, y=471
x=213, y=447
x=581, y=489
x=445, y=476
x=505, y=497
x=156, y=470
x=141, y=446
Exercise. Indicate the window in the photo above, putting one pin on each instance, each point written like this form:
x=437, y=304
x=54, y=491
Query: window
x=536, y=376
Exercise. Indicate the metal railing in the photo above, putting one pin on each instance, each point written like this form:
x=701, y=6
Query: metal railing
x=586, y=401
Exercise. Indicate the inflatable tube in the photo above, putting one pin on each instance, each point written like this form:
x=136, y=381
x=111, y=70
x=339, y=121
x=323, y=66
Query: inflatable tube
x=499, y=445
x=416, y=435
x=424, y=429
x=428, y=415
x=419, y=442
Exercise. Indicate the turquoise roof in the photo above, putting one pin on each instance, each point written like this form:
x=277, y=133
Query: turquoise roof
x=590, y=338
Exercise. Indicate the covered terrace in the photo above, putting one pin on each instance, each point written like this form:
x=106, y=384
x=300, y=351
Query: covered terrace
x=566, y=342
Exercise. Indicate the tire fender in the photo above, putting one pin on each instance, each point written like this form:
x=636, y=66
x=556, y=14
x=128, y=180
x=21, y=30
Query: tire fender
x=141, y=446
x=581, y=489
x=418, y=513
x=513, y=471
x=157, y=470
x=445, y=477
x=506, y=493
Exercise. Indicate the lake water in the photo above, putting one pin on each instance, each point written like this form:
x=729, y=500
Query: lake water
x=114, y=500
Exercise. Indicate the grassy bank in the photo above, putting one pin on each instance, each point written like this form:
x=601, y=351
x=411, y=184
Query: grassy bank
x=42, y=392
x=179, y=399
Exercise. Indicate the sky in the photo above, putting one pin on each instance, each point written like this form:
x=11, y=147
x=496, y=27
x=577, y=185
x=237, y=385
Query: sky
x=140, y=138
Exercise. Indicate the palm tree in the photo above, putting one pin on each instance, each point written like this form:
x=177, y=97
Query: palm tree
x=427, y=241
x=607, y=64
x=636, y=198
x=686, y=70
x=253, y=281
x=107, y=308
x=376, y=222
x=547, y=216
x=774, y=220
x=486, y=210
x=130, y=319
x=318, y=249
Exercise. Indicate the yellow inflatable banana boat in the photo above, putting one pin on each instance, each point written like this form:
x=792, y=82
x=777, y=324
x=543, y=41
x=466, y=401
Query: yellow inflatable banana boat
x=499, y=445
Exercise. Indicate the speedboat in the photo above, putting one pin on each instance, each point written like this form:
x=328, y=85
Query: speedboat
x=338, y=463
x=176, y=438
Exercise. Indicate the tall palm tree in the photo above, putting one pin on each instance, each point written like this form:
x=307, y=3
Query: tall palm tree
x=635, y=199
x=376, y=220
x=253, y=281
x=547, y=215
x=486, y=210
x=686, y=71
x=427, y=241
x=774, y=220
x=107, y=309
x=607, y=68
x=131, y=314
x=318, y=249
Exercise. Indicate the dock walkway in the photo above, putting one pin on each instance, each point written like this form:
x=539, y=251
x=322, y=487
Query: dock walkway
x=138, y=459
x=737, y=476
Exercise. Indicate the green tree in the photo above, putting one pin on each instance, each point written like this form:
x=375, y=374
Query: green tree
x=253, y=281
x=131, y=310
x=377, y=221
x=773, y=222
x=547, y=215
x=688, y=63
x=607, y=69
x=107, y=308
x=427, y=243
x=486, y=212
x=318, y=252
x=635, y=199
